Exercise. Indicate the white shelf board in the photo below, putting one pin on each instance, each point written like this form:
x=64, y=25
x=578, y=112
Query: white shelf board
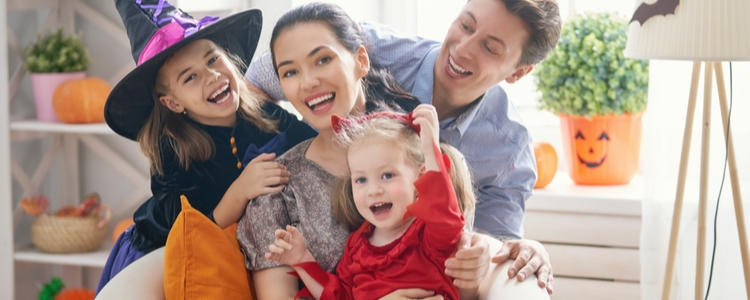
x=563, y=195
x=38, y=126
x=90, y=259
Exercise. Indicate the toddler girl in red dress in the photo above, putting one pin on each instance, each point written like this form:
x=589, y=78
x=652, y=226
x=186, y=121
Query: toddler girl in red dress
x=400, y=194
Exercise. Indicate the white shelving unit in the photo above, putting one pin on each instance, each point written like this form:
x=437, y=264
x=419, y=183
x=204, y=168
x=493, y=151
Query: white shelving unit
x=37, y=126
x=66, y=139
x=92, y=259
x=592, y=234
x=64, y=146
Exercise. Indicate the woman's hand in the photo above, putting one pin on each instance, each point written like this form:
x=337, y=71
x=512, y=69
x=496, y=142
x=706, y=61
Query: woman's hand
x=289, y=247
x=412, y=294
x=531, y=258
x=262, y=176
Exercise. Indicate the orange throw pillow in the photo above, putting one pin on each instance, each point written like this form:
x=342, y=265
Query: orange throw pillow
x=202, y=261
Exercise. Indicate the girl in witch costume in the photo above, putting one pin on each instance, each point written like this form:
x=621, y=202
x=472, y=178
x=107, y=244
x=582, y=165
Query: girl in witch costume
x=399, y=192
x=188, y=107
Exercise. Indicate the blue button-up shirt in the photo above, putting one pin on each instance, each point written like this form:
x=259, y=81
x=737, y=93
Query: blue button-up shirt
x=490, y=133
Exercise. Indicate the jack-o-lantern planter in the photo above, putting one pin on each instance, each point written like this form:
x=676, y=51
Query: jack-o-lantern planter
x=599, y=95
x=603, y=149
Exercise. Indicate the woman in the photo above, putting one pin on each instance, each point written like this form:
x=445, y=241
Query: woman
x=322, y=64
x=489, y=41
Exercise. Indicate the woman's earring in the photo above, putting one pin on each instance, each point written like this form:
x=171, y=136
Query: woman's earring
x=184, y=111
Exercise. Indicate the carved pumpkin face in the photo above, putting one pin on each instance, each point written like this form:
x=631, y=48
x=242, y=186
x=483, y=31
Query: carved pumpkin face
x=591, y=152
x=602, y=150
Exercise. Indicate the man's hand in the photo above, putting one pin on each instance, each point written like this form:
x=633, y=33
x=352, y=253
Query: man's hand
x=471, y=262
x=256, y=91
x=531, y=258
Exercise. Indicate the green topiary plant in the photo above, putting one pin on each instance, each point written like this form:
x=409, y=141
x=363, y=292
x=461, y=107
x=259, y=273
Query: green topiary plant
x=57, y=53
x=587, y=73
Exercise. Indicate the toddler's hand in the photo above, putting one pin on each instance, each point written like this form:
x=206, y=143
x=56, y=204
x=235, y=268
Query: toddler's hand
x=263, y=176
x=426, y=117
x=289, y=247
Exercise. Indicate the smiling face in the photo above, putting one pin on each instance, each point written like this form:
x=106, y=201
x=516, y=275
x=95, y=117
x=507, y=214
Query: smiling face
x=318, y=75
x=201, y=81
x=594, y=148
x=382, y=183
x=482, y=48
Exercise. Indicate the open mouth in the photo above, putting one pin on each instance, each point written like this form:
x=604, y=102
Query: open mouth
x=320, y=101
x=220, y=95
x=456, y=69
x=380, y=209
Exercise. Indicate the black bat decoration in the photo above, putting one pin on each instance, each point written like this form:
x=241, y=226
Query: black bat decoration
x=661, y=7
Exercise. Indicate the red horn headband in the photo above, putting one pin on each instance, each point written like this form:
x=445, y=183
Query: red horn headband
x=408, y=119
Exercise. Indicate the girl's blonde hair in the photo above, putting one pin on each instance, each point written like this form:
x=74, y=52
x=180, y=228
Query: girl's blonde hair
x=165, y=128
x=405, y=139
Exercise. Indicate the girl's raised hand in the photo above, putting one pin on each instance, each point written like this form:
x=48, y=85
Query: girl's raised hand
x=289, y=247
x=263, y=176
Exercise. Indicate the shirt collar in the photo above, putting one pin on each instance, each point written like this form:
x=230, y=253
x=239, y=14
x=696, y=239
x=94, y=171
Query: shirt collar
x=462, y=121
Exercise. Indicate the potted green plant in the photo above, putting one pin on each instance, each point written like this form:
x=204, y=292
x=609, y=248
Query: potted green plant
x=52, y=59
x=600, y=97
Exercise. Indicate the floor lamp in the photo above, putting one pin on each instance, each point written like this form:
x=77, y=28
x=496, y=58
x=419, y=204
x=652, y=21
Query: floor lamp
x=707, y=33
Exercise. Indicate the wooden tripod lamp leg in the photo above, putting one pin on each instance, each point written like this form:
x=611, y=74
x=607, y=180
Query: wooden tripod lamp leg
x=700, y=258
x=734, y=177
x=677, y=212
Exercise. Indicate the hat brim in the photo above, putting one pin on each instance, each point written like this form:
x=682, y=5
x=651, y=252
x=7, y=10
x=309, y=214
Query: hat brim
x=130, y=103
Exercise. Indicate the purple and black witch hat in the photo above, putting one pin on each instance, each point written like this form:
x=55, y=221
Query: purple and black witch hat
x=156, y=30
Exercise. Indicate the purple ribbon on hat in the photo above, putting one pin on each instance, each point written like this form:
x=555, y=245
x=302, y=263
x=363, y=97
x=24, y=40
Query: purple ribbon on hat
x=173, y=32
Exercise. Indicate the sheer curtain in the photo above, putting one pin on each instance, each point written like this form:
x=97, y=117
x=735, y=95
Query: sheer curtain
x=663, y=130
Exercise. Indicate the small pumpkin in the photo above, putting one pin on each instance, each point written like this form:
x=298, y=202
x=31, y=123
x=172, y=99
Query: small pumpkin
x=546, y=163
x=75, y=294
x=81, y=100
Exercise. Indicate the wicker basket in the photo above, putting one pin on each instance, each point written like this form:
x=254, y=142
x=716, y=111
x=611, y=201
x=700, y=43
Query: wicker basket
x=67, y=234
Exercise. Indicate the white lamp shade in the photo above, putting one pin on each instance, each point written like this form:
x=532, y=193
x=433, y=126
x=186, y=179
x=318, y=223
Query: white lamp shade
x=699, y=30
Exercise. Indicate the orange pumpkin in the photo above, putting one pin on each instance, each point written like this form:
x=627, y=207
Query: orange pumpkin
x=546, y=163
x=75, y=294
x=602, y=150
x=81, y=100
x=120, y=227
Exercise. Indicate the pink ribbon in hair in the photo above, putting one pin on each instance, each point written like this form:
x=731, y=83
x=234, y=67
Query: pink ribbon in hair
x=172, y=33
